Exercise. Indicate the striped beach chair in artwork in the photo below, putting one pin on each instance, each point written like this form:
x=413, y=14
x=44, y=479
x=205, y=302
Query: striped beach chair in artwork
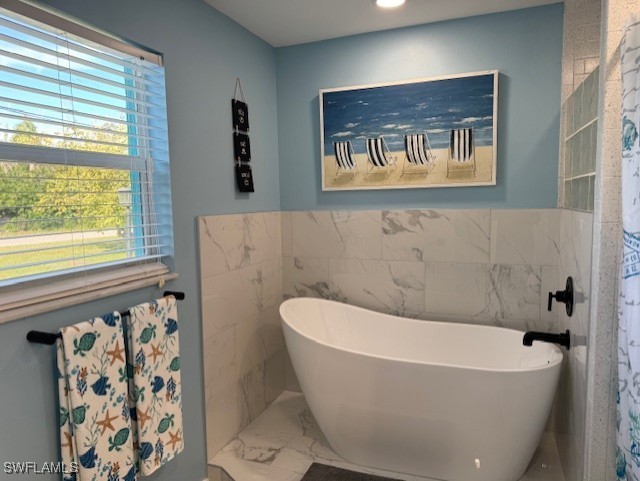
x=345, y=158
x=419, y=157
x=462, y=157
x=378, y=155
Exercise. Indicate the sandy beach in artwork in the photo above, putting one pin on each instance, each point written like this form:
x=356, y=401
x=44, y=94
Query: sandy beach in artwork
x=413, y=176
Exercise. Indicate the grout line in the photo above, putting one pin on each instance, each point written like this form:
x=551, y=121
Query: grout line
x=588, y=124
x=581, y=176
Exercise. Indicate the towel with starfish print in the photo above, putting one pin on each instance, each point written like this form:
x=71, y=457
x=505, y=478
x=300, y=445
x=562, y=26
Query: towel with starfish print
x=153, y=355
x=95, y=425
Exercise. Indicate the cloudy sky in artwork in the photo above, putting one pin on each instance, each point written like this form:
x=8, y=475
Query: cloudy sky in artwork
x=434, y=107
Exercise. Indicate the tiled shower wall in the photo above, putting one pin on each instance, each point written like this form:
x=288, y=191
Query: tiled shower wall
x=243, y=346
x=580, y=57
x=580, y=118
x=579, y=129
x=576, y=234
x=580, y=148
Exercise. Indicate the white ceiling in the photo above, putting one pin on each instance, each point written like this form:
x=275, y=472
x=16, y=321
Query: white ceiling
x=291, y=22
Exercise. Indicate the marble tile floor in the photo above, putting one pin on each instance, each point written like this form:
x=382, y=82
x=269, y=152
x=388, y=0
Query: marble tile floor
x=284, y=440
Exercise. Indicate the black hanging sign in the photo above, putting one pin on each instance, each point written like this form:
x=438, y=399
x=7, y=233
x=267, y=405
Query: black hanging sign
x=241, y=142
x=240, y=115
x=240, y=109
x=241, y=147
x=244, y=178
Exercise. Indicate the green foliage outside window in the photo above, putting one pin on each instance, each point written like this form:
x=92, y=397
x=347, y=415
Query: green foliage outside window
x=45, y=197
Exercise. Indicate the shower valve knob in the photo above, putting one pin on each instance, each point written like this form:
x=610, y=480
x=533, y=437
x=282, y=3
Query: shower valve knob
x=566, y=297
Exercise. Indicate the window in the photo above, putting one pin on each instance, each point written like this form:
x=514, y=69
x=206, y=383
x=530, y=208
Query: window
x=84, y=162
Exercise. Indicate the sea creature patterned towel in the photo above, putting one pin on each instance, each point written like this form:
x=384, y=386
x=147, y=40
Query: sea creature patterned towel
x=95, y=424
x=155, y=389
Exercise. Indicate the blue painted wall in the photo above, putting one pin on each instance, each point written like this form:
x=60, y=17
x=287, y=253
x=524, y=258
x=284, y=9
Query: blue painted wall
x=525, y=45
x=204, y=52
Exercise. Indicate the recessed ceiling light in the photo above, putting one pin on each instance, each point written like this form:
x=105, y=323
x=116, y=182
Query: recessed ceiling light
x=389, y=3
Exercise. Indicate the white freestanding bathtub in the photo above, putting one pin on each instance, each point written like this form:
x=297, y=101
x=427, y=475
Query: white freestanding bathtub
x=449, y=401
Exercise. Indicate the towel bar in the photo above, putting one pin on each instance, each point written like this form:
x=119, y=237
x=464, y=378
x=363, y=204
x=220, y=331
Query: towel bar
x=49, y=338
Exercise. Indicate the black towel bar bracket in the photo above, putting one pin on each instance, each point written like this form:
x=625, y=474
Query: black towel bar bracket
x=49, y=338
x=42, y=337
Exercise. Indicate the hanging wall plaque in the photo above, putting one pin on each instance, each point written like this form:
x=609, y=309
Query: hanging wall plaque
x=244, y=178
x=241, y=141
x=240, y=109
x=241, y=147
x=240, y=115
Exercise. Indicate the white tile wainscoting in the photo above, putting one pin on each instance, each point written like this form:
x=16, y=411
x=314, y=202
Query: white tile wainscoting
x=482, y=266
x=576, y=241
x=467, y=265
x=243, y=347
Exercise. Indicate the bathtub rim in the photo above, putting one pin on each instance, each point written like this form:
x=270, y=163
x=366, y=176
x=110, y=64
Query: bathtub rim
x=559, y=355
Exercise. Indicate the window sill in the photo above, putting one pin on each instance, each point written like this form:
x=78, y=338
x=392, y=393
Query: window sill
x=23, y=301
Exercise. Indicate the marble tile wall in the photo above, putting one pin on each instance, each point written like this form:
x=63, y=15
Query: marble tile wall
x=480, y=266
x=243, y=344
x=576, y=242
x=579, y=131
x=214, y=473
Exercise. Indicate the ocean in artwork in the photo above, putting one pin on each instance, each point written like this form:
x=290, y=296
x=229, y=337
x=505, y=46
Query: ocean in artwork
x=434, y=107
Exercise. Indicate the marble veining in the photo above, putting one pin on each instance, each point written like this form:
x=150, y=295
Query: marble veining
x=429, y=235
x=394, y=287
x=477, y=265
x=514, y=292
x=252, y=400
x=284, y=440
x=307, y=277
x=219, y=355
x=241, y=289
x=575, y=260
x=492, y=293
x=229, y=242
x=463, y=265
x=523, y=236
x=343, y=234
x=260, y=285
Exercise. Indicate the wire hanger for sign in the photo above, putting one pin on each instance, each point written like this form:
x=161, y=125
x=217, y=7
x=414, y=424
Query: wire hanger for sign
x=240, y=91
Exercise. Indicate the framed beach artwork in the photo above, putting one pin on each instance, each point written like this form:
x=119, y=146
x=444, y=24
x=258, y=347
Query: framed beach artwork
x=428, y=132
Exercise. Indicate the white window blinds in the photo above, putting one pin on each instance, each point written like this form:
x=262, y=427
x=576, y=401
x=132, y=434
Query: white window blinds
x=84, y=161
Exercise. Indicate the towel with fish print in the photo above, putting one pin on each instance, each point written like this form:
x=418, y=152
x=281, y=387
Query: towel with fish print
x=95, y=424
x=155, y=393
